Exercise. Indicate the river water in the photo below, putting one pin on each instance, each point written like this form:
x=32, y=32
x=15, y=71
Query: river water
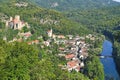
x=108, y=62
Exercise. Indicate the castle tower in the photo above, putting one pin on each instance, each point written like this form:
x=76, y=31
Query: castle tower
x=17, y=17
x=11, y=18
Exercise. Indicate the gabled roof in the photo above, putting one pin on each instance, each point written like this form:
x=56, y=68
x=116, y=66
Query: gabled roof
x=36, y=41
x=61, y=36
x=69, y=56
x=74, y=63
x=15, y=21
x=77, y=68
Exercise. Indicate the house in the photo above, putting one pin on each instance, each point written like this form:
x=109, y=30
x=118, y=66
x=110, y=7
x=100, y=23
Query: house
x=82, y=42
x=82, y=64
x=73, y=47
x=14, y=39
x=61, y=49
x=78, y=42
x=61, y=36
x=92, y=38
x=89, y=36
x=27, y=35
x=83, y=50
x=33, y=42
x=36, y=41
x=81, y=57
x=16, y=23
x=61, y=55
x=77, y=69
x=84, y=54
x=29, y=43
x=77, y=38
x=19, y=40
x=46, y=43
x=70, y=36
x=71, y=42
x=73, y=65
x=69, y=56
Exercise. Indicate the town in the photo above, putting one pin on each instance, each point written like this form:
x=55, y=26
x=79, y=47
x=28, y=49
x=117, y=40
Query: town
x=59, y=40
x=75, y=49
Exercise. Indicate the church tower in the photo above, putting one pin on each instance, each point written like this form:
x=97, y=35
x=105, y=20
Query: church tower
x=50, y=33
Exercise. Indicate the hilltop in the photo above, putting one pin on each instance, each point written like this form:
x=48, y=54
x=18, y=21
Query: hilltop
x=40, y=19
x=67, y=5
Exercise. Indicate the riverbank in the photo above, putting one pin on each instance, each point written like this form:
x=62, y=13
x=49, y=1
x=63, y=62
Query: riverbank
x=114, y=37
x=94, y=68
x=116, y=53
x=108, y=62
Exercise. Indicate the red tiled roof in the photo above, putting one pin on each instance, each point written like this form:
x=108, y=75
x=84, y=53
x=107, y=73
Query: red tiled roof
x=69, y=56
x=15, y=21
x=78, y=68
x=29, y=43
x=49, y=31
x=19, y=40
x=72, y=64
x=36, y=41
x=27, y=35
x=61, y=36
x=32, y=42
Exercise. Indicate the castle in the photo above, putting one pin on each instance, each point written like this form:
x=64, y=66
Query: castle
x=16, y=23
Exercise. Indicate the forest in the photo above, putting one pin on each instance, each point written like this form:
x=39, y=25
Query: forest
x=104, y=21
x=34, y=14
x=70, y=5
x=21, y=61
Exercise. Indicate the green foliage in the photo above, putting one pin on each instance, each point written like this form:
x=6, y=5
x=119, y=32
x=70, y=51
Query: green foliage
x=34, y=15
x=94, y=69
x=2, y=25
x=25, y=29
x=67, y=5
x=19, y=58
x=10, y=34
x=116, y=54
x=97, y=19
x=116, y=35
x=19, y=61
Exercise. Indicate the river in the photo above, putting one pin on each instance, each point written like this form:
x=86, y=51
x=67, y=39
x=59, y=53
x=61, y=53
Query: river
x=108, y=62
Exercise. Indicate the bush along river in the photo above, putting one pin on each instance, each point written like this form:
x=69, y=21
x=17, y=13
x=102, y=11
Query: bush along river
x=108, y=62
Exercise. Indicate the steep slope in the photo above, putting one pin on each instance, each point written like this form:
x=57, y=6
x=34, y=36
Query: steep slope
x=41, y=20
x=97, y=19
x=64, y=5
x=34, y=62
